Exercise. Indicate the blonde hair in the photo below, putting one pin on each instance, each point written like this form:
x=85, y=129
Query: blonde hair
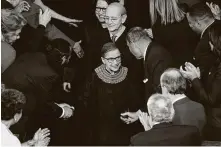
x=168, y=10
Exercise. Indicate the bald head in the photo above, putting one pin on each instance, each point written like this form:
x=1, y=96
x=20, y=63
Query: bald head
x=117, y=7
x=173, y=81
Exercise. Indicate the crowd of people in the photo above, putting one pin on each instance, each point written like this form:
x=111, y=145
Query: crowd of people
x=142, y=73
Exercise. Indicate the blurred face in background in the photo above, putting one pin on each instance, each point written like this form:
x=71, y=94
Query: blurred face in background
x=14, y=3
x=11, y=37
x=100, y=10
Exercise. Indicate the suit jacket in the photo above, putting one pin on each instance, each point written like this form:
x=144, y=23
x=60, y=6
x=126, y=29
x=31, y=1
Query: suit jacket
x=210, y=95
x=178, y=38
x=188, y=112
x=204, y=57
x=166, y=134
x=36, y=83
x=157, y=60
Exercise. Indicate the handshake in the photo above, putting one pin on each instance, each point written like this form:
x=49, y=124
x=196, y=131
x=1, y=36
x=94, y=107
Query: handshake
x=67, y=110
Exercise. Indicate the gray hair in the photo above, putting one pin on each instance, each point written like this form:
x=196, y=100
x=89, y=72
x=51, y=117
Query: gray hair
x=174, y=81
x=136, y=33
x=160, y=108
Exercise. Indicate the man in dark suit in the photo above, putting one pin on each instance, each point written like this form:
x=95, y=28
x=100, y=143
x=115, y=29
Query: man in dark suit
x=200, y=19
x=158, y=127
x=156, y=60
x=187, y=112
x=209, y=93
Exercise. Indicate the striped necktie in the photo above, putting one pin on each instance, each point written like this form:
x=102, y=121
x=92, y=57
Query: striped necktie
x=114, y=38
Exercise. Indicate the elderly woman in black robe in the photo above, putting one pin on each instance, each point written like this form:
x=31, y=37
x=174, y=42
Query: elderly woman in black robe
x=107, y=94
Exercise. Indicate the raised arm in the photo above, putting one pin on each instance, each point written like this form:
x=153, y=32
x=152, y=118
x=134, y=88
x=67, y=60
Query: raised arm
x=56, y=15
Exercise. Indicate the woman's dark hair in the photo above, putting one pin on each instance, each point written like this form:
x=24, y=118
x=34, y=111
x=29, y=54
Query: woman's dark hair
x=215, y=37
x=107, y=47
x=12, y=102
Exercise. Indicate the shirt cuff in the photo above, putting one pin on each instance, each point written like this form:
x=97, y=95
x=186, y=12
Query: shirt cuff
x=62, y=111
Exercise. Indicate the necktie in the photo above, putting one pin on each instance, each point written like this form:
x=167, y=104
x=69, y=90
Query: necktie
x=114, y=38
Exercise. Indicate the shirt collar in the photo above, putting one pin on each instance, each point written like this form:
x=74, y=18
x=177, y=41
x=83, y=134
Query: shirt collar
x=206, y=28
x=145, y=52
x=179, y=98
x=119, y=33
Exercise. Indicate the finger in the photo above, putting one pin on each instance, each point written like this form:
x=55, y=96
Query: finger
x=46, y=130
x=75, y=20
x=40, y=12
x=73, y=24
x=45, y=135
x=25, y=8
x=79, y=42
x=125, y=114
x=26, y=3
x=69, y=86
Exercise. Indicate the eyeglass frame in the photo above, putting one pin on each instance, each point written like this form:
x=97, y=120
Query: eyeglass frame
x=111, y=60
x=113, y=19
x=100, y=8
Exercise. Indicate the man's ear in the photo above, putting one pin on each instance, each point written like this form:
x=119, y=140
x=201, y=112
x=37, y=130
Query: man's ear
x=124, y=18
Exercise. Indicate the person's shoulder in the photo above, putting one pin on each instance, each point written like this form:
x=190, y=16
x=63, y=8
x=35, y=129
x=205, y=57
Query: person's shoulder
x=139, y=138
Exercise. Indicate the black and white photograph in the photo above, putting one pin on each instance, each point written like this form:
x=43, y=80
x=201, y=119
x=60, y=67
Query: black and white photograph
x=110, y=73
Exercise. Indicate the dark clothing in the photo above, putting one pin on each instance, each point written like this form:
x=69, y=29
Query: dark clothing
x=188, y=112
x=204, y=57
x=157, y=60
x=105, y=102
x=210, y=96
x=166, y=134
x=31, y=75
x=178, y=38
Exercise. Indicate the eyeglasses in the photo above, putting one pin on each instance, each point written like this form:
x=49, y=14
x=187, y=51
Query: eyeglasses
x=111, y=60
x=99, y=9
x=112, y=19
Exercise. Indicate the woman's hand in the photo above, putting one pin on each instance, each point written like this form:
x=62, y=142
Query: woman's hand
x=73, y=22
x=22, y=6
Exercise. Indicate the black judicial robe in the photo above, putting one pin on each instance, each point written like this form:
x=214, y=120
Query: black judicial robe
x=106, y=97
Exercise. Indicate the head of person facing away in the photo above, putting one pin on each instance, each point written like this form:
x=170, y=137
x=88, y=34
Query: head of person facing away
x=160, y=109
x=199, y=17
x=11, y=25
x=137, y=41
x=215, y=39
x=111, y=57
x=168, y=11
x=173, y=84
x=12, y=102
x=116, y=16
x=59, y=51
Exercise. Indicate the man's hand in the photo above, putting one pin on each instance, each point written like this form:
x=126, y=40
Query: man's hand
x=190, y=72
x=44, y=18
x=22, y=6
x=215, y=9
x=68, y=110
x=129, y=117
x=78, y=50
x=73, y=22
x=41, y=134
x=144, y=120
x=43, y=142
x=66, y=86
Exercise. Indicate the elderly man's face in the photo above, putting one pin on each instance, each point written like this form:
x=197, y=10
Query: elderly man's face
x=114, y=18
x=193, y=24
x=112, y=60
x=134, y=49
x=100, y=11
